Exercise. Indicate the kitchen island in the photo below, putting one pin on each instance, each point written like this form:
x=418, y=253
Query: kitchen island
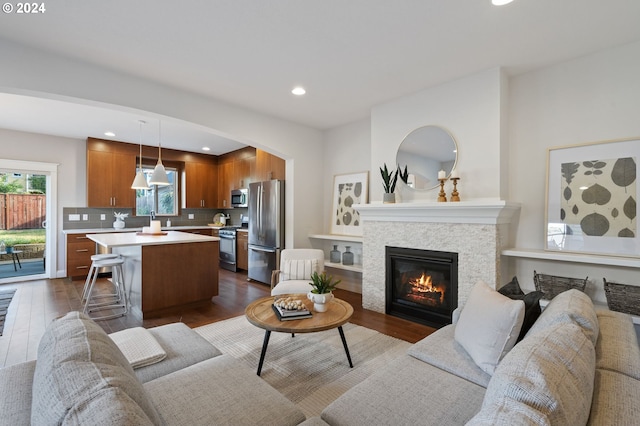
x=168, y=272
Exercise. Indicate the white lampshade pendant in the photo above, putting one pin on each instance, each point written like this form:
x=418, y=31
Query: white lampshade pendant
x=159, y=176
x=140, y=182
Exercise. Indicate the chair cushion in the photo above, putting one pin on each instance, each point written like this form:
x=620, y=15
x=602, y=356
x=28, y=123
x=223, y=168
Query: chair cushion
x=80, y=373
x=291, y=287
x=488, y=326
x=297, y=269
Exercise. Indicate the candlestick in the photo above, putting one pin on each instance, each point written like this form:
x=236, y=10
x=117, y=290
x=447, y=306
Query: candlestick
x=455, y=196
x=442, y=196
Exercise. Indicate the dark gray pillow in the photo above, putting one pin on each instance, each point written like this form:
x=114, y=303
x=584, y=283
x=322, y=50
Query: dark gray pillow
x=531, y=301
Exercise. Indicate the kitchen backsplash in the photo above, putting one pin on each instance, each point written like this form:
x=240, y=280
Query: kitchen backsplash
x=91, y=218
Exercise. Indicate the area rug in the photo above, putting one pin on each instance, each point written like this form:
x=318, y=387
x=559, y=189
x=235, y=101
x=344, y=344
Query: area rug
x=5, y=300
x=310, y=369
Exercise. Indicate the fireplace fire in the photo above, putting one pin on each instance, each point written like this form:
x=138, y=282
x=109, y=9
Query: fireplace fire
x=421, y=285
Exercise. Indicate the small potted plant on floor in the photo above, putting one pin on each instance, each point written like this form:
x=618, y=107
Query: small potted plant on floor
x=320, y=294
x=389, y=184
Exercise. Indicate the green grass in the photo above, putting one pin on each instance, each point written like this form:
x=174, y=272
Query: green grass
x=22, y=236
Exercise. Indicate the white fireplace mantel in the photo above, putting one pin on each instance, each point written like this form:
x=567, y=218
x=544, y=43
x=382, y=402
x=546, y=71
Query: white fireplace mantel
x=493, y=212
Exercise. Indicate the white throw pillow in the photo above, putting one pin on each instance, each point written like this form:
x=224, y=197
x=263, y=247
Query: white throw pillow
x=298, y=269
x=489, y=326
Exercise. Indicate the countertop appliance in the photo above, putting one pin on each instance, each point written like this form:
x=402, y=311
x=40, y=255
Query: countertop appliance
x=266, y=228
x=239, y=197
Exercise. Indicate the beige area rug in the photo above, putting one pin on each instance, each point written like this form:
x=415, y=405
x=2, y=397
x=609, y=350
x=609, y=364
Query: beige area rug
x=310, y=369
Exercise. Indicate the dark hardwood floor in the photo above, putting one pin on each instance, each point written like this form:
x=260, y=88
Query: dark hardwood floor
x=37, y=303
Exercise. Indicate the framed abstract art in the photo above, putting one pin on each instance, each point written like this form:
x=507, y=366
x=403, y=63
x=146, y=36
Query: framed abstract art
x=348, y=189
x=592, y=194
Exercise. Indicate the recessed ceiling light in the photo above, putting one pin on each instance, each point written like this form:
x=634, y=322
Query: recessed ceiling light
x=206, y=148
x=500, y=2
x=110, y=134
x=299, y=91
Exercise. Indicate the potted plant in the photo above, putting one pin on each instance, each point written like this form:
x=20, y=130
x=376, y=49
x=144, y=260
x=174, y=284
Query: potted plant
x=322, y=286
x=389, y=184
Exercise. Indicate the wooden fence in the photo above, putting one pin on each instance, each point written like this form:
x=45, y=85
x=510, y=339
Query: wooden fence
x=22, y=211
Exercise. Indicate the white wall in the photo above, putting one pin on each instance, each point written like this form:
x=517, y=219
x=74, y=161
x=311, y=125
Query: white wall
x=470, y=109
x=593, y=98
x=347, y=149
x=31, y=72
x=71, y=156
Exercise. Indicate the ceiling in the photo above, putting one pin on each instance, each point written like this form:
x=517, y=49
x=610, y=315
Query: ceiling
x=350, y=55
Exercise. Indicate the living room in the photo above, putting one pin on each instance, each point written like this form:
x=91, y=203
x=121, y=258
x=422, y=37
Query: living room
x=503, y=121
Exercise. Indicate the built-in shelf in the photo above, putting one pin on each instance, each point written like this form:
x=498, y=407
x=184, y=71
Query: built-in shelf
x=628, y=262
x=342, y=238
x=334, y=237
x=353, y=268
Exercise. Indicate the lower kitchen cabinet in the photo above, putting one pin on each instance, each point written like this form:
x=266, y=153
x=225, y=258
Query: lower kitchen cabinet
x=79, y=252
x=242, y=250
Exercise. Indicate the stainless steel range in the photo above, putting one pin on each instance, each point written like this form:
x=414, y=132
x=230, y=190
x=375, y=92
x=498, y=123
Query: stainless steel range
x=228, y=259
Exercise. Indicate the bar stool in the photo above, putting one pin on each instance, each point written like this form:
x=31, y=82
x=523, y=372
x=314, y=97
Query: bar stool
x=119, y=301
x=94, y=270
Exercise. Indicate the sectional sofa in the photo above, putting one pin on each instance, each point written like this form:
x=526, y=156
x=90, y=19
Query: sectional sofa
x=81, y=377
x=576, y=365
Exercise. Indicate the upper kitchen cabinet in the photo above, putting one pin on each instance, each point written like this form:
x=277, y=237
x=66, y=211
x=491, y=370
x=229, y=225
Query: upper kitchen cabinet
x=225, y=184
x=269, y=166
x=201, y=181
x=111, y=167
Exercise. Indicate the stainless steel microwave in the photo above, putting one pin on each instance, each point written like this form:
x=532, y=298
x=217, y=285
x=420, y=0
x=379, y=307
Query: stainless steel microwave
x=240, y=197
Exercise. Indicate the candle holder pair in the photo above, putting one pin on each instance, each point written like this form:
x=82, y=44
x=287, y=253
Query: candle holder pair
x=455, y=196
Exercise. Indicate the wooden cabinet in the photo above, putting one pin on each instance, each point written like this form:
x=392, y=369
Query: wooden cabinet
x=79, y=252
x=243, y=171
x=225, y=180
x=242, y=250
x=201, y=185
x=111, y=167
x=269, y=166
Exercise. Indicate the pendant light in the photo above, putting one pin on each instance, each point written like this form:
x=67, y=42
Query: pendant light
x=140, y=182
x=159, y=176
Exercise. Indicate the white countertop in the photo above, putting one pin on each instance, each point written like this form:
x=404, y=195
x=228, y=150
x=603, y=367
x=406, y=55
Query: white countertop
x=113, y=230
x=121, y=239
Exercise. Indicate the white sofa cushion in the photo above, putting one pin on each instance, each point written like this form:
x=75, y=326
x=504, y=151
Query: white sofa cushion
x=488, y=326
x=571, y=306
x=551, y=373
x=617, y=347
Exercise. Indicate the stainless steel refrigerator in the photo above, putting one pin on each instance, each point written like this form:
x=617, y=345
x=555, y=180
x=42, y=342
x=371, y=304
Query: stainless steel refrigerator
x=266, y=228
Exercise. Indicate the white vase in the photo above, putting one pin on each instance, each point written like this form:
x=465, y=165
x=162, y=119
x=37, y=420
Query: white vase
x=320, y=301
x=118, y=224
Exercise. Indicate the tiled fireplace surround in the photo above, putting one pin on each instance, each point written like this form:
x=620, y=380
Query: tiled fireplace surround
x=477, y=231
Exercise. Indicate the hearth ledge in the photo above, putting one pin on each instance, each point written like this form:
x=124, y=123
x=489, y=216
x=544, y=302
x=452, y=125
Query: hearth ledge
x=480, y=212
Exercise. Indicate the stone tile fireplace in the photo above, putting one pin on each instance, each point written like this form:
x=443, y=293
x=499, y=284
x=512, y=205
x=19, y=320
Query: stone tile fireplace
x=476, y=231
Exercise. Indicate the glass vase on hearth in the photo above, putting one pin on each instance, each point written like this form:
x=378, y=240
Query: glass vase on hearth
x=347, y=256
x=335, y=255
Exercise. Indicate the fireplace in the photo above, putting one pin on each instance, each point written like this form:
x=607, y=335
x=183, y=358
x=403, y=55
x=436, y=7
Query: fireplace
x=421, y=285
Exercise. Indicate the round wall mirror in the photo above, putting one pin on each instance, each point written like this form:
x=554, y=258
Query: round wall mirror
x=424, y=152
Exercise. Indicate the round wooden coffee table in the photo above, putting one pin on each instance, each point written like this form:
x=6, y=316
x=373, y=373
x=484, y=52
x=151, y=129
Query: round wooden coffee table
x=260, y=313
